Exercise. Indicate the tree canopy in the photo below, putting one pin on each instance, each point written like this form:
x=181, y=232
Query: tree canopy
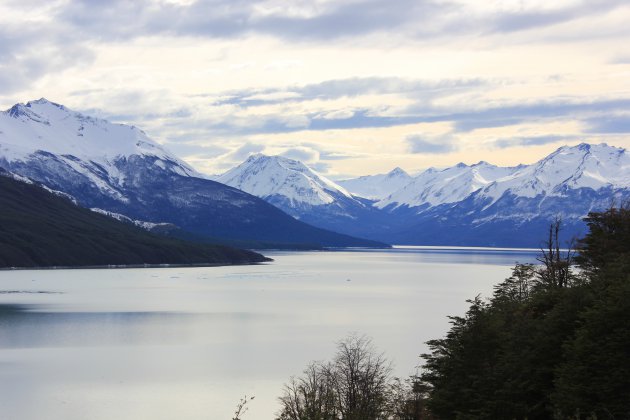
x=552, y=342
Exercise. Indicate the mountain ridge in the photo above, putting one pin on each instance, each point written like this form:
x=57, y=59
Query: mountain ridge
x=480, y=203
x=118, y=168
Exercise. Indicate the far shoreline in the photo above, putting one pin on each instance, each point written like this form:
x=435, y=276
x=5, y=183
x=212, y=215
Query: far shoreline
x=123, y=266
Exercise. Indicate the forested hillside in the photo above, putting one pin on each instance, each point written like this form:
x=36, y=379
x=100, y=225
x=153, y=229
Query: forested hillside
x=40, y=229
x=552, y=342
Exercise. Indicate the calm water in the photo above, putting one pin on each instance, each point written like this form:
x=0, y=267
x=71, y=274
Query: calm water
x=187, y=343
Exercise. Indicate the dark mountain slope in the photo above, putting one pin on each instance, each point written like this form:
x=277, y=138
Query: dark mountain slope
x=40, y=229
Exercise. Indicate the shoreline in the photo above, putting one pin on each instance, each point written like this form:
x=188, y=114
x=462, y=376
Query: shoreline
x=123, y=266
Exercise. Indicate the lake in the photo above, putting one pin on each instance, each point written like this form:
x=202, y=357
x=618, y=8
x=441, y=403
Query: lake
x=188, y=343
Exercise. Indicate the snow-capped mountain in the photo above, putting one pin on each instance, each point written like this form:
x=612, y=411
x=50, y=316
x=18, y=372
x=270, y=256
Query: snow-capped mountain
x=434, y=187
x=493, y=206
x=119, y=169
x=97, y=150
x=275, y=177
x=301, y=192
x=377, y=187
x=568, y=168
x=480, y=204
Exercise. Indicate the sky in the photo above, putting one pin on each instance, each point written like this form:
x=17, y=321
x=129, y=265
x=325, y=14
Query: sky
x=350, y=87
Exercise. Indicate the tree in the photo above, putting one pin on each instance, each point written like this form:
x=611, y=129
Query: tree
x=556, y=270
x=518, y=287
x=545, y=345
x=594, y=379
x=606, y=246
x=408, y=399
x=310, y=396
x=353, y=386
x=241, y=408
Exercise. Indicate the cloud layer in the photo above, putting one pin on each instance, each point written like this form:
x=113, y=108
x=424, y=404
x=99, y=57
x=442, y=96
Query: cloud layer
x=352, y=87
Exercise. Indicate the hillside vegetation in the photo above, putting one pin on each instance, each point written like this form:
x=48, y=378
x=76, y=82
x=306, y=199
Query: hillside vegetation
x=40, y=229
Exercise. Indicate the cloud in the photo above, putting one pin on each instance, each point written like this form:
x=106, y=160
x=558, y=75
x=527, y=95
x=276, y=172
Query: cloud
x=529, y=18
x=244, y=151
x=25, y=59
x=205, y=151
x=609, y=124
x=621, y=59
x=350, y=87
x=466, y=121
x=543, y=109
x=321, y=167
x=419, y=143
x=303, y=154
x=120, y=20
x=532, y=140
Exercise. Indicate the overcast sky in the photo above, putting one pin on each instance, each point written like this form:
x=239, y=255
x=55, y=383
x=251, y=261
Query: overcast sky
x=351, y=87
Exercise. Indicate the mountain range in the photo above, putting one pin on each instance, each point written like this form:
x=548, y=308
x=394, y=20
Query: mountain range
x=274, y=201
x=466, y=205
x=118, y=169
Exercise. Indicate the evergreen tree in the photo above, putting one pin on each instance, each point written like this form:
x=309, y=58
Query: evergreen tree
x=548, y=343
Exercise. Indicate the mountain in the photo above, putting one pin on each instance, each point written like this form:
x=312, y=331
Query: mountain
x=280, y=178
x=480, y=204
x=488, y=206
x=377, y=187
x=40, y=228
x=301, y=192
x=434, y=187
x=568, y=168
x=119, y=169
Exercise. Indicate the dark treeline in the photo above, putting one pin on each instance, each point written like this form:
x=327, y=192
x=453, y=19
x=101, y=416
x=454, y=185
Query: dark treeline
x=41, y=229
x=552, y=342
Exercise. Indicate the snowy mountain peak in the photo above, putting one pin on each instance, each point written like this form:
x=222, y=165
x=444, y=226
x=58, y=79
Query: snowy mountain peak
x=42, y=125
x=280, y=161
x=397, y=172
x=482, y=163
x=44, y=101
x=567, y=168
x=592, y=166
x=46, y=140
x=434, y=187
x=277, y=176
x=376, y=187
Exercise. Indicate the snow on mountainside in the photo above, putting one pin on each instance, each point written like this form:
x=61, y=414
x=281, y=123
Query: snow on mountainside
x=434, y=187
x=568, y=168
x=122, y=218
x=90, y=146
x=66, y=132
x=119, y=169
x=269, y=176
x=304, y=194
x=377, y=187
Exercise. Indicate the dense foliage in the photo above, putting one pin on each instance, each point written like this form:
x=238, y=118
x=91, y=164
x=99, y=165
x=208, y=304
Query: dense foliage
x=550, y=343
x=39, y=229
